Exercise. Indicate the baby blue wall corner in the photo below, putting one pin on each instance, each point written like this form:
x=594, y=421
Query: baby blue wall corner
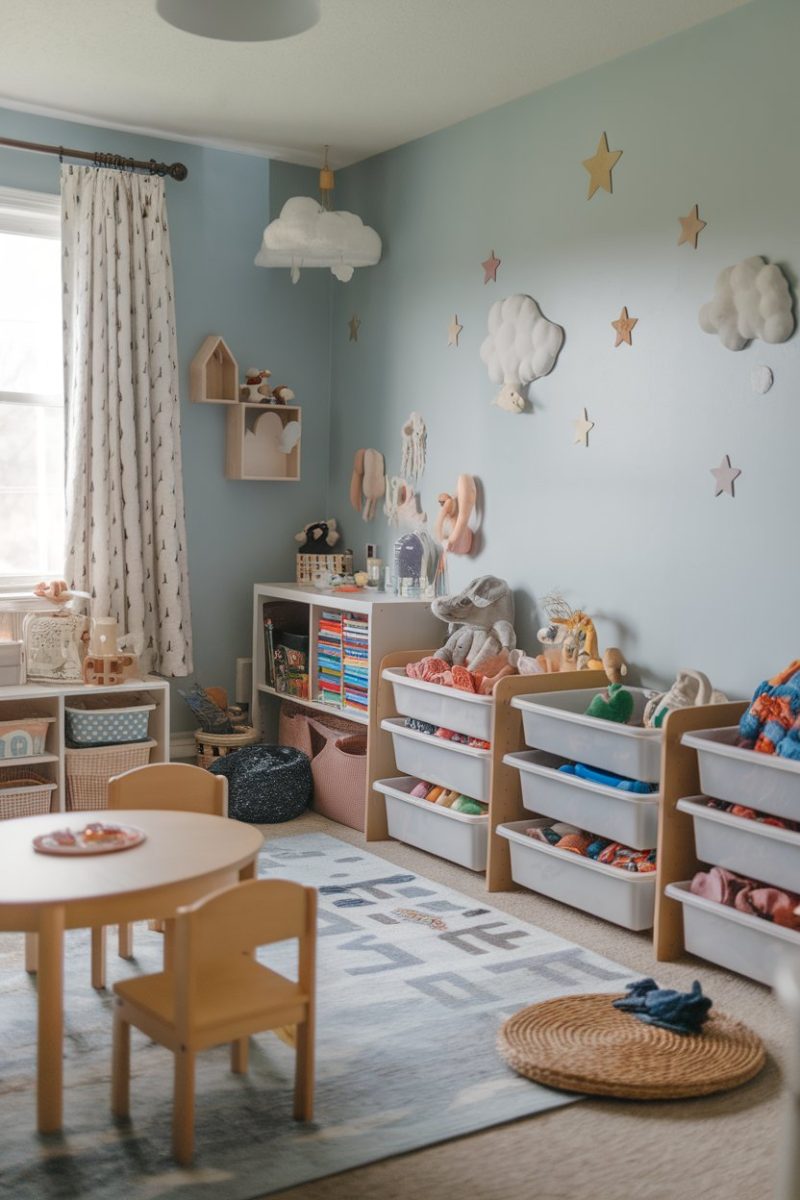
x=629, y=527
x=238, y=532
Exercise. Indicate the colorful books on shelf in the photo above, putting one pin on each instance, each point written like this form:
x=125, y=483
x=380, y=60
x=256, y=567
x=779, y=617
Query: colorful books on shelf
x=329, y=658
x=355, y=661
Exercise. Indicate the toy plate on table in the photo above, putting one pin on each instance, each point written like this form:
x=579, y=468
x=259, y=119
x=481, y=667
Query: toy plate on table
x=95, y=838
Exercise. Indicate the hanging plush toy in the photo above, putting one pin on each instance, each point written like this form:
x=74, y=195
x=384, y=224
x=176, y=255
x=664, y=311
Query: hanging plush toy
x=368, y=479
x=452, y=526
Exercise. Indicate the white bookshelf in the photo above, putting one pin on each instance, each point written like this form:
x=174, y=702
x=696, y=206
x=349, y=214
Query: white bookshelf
x=393, y=623
x=50, y=700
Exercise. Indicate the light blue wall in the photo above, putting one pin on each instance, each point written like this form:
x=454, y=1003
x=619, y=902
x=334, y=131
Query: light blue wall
x=630, y=527
x=237, y=532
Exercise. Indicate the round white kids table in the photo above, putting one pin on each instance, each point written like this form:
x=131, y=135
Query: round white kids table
x=185, y=856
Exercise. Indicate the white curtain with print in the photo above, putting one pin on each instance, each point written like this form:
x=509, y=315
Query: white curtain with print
x=126, y=535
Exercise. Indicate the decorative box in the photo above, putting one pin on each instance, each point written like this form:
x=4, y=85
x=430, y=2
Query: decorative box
x=12, y=663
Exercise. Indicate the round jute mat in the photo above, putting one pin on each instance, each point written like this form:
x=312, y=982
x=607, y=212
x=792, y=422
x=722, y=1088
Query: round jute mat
x=584, y=1044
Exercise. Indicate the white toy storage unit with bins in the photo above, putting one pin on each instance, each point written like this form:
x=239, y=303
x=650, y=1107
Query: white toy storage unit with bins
x=406, y=757
x=558, y=731
x=60, y=744
x=739, y=941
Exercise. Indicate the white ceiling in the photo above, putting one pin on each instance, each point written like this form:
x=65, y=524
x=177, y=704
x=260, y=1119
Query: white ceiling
x=372, y=75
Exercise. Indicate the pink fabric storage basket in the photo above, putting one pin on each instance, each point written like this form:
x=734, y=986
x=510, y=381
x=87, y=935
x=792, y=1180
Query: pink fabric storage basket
x=339, y=769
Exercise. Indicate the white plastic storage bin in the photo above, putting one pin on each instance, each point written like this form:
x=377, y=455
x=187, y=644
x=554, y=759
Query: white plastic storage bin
x=450, y=764
x=728, y=772
x=748, y=847
x=557, y=722
x=439, y=705
x=735, y=940
x=457, y=836
x=624, y=897
x=625, y=817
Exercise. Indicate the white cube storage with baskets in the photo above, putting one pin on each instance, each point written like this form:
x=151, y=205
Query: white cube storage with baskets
x=767, y=854
x=558, y=730
x=461, y=838
x=66, y=728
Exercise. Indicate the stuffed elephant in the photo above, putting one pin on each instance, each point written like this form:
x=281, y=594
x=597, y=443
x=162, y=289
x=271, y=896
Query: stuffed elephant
x=480, y=622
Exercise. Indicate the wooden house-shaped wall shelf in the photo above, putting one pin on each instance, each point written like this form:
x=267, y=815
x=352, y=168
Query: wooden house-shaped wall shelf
x=214, y=373
x=253, y=436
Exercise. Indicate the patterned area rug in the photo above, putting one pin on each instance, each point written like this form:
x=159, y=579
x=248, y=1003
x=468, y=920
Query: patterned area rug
x=414, y=980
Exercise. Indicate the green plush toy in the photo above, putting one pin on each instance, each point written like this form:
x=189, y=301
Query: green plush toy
x=614, y=704
x=471, y=808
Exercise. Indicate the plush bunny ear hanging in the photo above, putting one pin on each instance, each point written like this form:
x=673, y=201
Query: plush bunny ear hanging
x=414, y=445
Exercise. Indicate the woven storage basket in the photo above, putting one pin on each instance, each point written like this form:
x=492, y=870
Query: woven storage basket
x=88, y=771
x=294, y=730
x=339, y=771
x=211, y=746
x=24, y=793
x=584, y=1044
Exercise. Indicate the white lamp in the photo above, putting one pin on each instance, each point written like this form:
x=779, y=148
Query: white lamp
x=241, y=20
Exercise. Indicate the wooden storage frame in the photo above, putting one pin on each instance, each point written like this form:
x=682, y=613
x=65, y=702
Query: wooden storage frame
x=236, y=423
x=51, y=699
x=505, y=796
x=680, y=777
x=214, y=373
x=394, y=622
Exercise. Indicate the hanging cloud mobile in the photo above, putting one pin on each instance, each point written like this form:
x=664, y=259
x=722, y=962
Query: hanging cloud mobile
x=751, y=300
x=521, y=346
x=307, y=235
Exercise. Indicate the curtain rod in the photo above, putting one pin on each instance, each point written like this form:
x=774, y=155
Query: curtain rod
x=177, y=171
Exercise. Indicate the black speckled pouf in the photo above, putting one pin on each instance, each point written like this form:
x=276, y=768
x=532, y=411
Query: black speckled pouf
x=266, y=784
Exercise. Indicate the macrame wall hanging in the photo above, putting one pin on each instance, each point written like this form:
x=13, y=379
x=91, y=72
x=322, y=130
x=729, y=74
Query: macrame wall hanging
x=414, y=446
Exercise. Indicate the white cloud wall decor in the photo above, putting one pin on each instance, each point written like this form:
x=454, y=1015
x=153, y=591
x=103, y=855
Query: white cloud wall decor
x=751, y=300
x=521, y=346
x=308, y=235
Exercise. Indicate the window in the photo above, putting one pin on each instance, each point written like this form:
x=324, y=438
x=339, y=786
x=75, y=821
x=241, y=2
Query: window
x=31, y=389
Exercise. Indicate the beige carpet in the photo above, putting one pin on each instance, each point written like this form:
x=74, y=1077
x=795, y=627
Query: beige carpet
x=722, y=1148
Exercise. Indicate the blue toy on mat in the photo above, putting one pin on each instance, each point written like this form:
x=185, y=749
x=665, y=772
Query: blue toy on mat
x=680, y=1012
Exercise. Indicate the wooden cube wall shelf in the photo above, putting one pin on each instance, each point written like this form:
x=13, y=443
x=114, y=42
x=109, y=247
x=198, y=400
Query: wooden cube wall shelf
x=252, y=443
x=214, y=373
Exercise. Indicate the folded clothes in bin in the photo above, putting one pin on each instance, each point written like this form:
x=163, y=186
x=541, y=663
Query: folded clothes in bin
x=748, y=896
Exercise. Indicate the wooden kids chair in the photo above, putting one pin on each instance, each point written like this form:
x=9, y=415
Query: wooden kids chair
x=218, y=992
x=171, y=786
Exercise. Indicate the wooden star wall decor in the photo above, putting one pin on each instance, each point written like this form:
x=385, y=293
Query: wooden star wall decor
x=490, y=266
x=724, y=476
x=624, y=327
x=453, y=331
x=583, y=427
x=354, y=324
x=600, y=166
x=691, y=227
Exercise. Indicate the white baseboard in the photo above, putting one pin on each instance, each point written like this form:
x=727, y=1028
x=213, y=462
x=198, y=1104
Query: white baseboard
x=182, y=746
